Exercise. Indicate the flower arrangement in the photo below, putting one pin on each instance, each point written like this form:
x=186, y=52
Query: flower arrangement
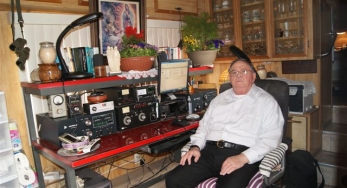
x=199, y=33
x=134, y=45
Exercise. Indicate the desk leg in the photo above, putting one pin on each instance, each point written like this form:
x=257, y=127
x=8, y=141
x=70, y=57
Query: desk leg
x=70, y=178
x=38, y=168
x=32, y=134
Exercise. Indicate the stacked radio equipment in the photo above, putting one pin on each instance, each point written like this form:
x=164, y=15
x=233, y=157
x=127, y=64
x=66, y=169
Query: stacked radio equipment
x=98, y=119
x=206, y=95
x=171, y=108
x=134, y=106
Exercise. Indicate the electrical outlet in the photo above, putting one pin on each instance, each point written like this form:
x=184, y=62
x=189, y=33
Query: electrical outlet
x=137, y=158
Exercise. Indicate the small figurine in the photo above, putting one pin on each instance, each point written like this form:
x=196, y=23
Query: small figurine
x=113, y=58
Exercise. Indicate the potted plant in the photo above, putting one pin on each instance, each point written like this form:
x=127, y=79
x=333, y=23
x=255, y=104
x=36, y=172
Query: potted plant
x=200, y=39
x=135, y=53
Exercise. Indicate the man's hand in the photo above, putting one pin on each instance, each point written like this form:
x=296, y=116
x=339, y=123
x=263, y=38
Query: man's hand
x=233, y=163
x=195, y=151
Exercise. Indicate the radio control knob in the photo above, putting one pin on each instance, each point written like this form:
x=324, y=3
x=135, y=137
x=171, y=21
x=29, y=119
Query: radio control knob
x=206, y=104
x=144, y=136
x=205, y=96
x=88, y=123
x=127, y=120
x=142, y=116
x=60, y=111
x=129, y=141
x=76, y=109
x=89, y=134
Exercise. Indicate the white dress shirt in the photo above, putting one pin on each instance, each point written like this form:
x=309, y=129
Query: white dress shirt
x=254, y=120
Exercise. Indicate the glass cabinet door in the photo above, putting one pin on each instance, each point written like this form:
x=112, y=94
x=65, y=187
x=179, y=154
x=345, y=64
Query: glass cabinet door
x=253, y=27
x=289, y=29
x=222, y=12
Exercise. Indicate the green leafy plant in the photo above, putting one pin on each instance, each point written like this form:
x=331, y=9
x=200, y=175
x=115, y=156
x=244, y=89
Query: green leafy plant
x=200, y=33
x=134, y=45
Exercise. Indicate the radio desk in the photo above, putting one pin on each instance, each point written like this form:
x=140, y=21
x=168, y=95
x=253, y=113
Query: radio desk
x=39, y=147
x=110, y=145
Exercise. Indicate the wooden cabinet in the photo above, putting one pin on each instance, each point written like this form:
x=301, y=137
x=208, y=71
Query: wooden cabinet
x=223, y=15
x=253, y=27
x=288, y=27
x=306, y=132
x=268, y=29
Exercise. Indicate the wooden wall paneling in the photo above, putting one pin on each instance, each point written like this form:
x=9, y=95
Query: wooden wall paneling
x=51, y=6
x=47, y=1
x=165, y=13
x=237, y=23
x=10, y=83
x=270, y=43
x=188, y=6
x=83, y=2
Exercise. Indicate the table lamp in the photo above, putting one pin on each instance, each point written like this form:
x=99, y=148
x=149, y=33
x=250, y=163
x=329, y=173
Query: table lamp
x=66, y=74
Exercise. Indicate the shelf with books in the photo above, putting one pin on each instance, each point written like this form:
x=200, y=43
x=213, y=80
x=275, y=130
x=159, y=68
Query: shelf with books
x=80, y=58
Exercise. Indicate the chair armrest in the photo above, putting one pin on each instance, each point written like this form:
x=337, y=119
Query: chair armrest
x=272, y=159
x=272, y=166
x=275, y=175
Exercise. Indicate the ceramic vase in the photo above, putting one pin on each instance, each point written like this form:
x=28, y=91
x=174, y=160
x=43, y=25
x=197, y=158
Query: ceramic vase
x=47, y=52
x=203, y=58
x=49, y=72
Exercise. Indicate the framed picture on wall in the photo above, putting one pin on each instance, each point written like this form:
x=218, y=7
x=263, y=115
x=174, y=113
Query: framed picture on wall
x=117, y=15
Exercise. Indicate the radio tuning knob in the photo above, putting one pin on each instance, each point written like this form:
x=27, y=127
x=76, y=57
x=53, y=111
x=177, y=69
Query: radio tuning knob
x=142, y=116
x=60, y=111
x=206, y=104
x=88, y=123
x=127, y=120
x=205, y=96
x=89, y=134
x=76, y=109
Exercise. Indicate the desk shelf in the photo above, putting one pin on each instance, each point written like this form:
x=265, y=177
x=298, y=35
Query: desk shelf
x=44, y=89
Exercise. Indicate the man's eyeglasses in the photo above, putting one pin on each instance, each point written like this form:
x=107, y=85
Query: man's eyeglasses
x=240, y=72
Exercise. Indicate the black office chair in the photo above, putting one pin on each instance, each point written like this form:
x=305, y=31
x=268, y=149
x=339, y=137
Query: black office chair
x=280, y=91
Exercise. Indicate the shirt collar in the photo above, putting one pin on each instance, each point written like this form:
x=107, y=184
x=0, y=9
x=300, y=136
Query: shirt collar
x=251, y=93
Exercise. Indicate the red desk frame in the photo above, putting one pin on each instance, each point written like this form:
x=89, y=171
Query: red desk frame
x=121, y=143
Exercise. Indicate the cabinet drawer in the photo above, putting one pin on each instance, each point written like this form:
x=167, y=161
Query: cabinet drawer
x=5, y=139
x=9, y=181
x=8, y=168
x=299, y=133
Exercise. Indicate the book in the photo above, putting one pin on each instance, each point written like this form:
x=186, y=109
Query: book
x=89, y=58
x=83, y=57
x=77, y=59
x=67, y=55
